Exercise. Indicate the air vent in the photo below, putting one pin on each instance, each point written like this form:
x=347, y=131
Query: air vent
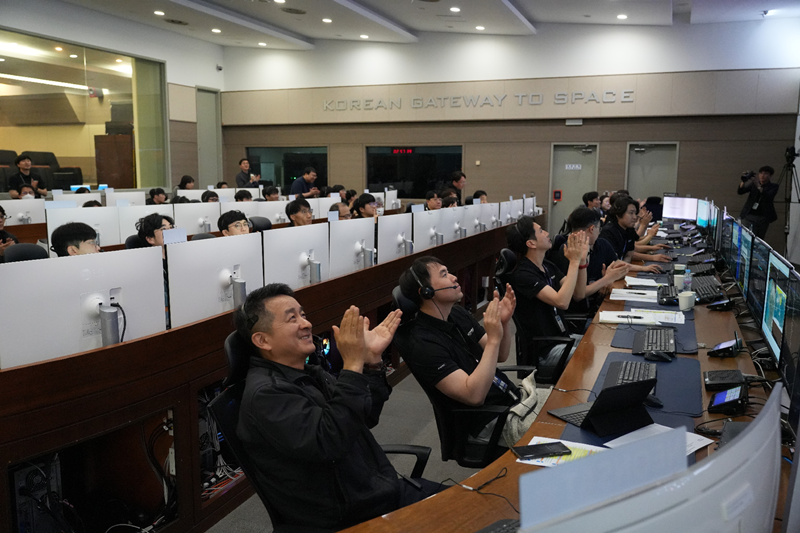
x=176, y=22
x=293, y=11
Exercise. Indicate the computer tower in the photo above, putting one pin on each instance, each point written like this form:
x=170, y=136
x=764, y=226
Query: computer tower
x=36, y=512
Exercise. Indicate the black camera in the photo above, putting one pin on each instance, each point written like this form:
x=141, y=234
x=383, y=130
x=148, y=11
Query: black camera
x=748, y=175
x=790, y=155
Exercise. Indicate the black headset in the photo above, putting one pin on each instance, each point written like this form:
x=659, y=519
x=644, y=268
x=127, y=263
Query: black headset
x=425, y=292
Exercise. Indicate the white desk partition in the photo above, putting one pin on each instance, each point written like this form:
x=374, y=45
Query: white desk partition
x=393, y=231
x=62, y=204
x=200, y=275
x=314, y=203
x=70, y=284
x=274, y=211
x=392, y=202
x=528, y=206
x=348, y=239
x=448, y=226
x=79, y=199
x=505, y=213
x=192, y=217
x=129, y=216
x=471, y=218
x=425, y=229
x=196, y=194
x=24, y=211
x=105, y=221
x=133, y=197
x=490, y=214
x=325, y=206
x=287, y=252
x=250, y=209
x=517, y=208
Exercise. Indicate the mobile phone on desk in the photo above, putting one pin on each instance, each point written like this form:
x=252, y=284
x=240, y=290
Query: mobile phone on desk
x=539, y=451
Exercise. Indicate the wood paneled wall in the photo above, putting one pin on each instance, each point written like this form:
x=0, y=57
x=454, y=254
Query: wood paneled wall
x=183, y=150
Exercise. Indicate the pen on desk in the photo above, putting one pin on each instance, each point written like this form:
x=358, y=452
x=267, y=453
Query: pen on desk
x=630, y=316
x=640, y=293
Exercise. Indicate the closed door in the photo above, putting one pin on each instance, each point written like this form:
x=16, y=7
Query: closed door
x=209, y=139
x=652, y=169
x=573, y=172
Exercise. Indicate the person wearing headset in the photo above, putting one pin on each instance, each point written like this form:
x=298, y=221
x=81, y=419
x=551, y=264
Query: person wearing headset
x=449, y=352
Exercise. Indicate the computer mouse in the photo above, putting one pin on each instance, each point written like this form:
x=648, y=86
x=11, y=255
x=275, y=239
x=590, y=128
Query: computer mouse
x=652, y=401
x=657, y=356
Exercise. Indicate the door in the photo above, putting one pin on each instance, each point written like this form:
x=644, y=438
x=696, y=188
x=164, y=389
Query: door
x=652, y=169
x=209, y=140
x=573, y=171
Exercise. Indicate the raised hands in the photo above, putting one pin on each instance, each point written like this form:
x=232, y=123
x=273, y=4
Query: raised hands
x=577, y=247
x=492, y=321
x=350, y=340
x=507, y=304
x=381, y=335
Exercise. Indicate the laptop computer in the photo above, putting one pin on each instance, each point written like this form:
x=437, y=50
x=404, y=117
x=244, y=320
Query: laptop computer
x=617, y=409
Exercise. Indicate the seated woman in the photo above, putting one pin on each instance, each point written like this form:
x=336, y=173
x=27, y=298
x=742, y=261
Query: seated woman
x=365, y=206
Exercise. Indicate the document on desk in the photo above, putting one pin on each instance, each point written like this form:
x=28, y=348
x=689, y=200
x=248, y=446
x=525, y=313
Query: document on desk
x=634, y=296
x=647, y=318
x=640, y=282
x=579, y=451
x=694, y=441
x=664, y=317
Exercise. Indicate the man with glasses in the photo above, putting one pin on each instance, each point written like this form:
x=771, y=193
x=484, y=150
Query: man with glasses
x=344, y=211
x=299, y=212
x=305, y=186
x=74, y=238
x=6, y=239
x=233, y=223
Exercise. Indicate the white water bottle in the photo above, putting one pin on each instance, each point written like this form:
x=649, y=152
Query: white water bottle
x=687, y=280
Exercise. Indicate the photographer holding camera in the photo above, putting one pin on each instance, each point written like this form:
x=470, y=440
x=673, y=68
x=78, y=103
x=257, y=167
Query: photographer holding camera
x=759, y=209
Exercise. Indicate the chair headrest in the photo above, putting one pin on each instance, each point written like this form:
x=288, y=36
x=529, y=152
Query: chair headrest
x=238, y=353
x=654, y=200
x=201, y=236
x=261, y=223
x=506, y=263
x=25, y=251
x=399, y=301
x=134, y=242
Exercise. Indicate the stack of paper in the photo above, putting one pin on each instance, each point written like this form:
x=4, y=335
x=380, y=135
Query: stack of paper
x=693, y=441
x=634, y=296
x=664, y=317
x=628, y=317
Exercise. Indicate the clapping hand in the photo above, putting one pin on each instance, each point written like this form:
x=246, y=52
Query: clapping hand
x=381, y=336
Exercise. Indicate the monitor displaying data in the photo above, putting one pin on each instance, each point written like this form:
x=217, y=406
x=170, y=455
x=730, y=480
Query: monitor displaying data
x=714, y=227
x=725, y=245
x=702, y=213
x=679, y=208
x=736, y=242
x=757, y=280
x=790, y=349
x=775, y=303
x=743, y=274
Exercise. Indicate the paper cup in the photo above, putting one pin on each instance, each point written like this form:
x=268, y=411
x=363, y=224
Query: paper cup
x=679, y=267
x=686, y=300
x=678, y=281
x=676, y=226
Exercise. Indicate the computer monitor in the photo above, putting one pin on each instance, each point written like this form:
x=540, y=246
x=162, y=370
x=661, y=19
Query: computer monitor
x=274, y=211
x=394, y=234
x=104, y=220
x=471, y=218
x=193, y=217
x=61, y=204
x=68, y=315
x=392, y=202
x=490, y=216
x=775, y=303
x=734, y=489
x=790, y=349
x=291, y=254
x=736, y=244
x=725, y=244
x=351, y=244
x=702, y=214
x=426, y=229
x=678, y=208
x=200, y=274
x=505, y=213
x=24, y=211
x=530, y=206
x=449, y=224
x=743, y=274
x=79, y=199
x=129, y=216
x=517, y=208
x=757, y=279
x=132, y=197
x=324, y=205
x=250, y=209
x=712, y=238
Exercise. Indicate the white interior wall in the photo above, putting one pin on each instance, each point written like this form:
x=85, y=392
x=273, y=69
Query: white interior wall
x=556, y=50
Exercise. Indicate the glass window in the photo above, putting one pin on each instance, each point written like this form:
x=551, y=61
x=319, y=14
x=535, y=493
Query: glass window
x=281, y=166
x=413, y=171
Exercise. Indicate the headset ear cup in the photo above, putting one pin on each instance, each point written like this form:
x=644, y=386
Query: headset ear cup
x=426, y=293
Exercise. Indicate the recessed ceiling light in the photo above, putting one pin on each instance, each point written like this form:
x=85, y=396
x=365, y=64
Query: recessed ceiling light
x=1, y=59
x=58, y=48
x=480, y=28
x=215, y=30
x=622, y=17
x=455, y=9
x=73, y=56
x=119, y=61
x=159, y=13
x=262, y=44
x=365, y=36
x=327, y=21
x=280, y=1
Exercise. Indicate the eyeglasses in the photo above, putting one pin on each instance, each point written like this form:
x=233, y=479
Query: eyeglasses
x=306, y=211
x=91, y=242
x=242, y=224
x=348, y=216
x=6, y=217
x=373, y=204
x=162, y=228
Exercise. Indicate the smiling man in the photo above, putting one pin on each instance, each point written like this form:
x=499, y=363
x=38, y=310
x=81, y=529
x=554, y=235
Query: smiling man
x=74, y=238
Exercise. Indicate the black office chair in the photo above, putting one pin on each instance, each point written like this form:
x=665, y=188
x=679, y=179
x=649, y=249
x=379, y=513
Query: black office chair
x=453, y=425
x=201, y=236
x=135, y=242
x=261, y=223
x=225, y=410
x=25, y=251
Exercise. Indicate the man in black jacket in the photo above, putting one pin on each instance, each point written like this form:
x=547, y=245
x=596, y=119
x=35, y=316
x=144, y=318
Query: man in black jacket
x=759, y=209
x=306, y=432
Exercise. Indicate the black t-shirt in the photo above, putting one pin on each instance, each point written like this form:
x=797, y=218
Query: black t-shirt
x=4, y=235
x=622, y=240
x=19, y=178
x=300, y=186
x=535, y=317
x=439, y=348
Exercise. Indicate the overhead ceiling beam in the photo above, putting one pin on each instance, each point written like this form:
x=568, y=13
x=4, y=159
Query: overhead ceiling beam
x=514, y=9
x=374, y=17
x=240, y=20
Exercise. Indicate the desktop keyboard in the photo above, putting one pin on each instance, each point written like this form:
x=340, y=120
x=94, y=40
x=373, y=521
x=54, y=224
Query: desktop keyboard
x=631, y=371
x=507, y=525
x=668, y=295
x=702, y=269
x=654, y=339
x=702, y=258
x=707, y=289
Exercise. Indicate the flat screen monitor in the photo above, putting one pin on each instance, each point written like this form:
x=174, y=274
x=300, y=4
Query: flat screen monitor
x=79, y=199
x=393, y=232
x=200, y=274
x=132, y=197
x=775, y=303
x=104, y=220
x=530, y=205
x=70, y=285
x=193, y=217
x=471, y=218
x=287, y=252
x=679, y=208
x=702, y=213
x=324, y=205
x=349, y=241
x=517, y=208
x=24, y=211
x=274, y=211
x=249, y=209
x=449, y=224
x=757, y=280
x=743, y=274
x=129, y=216
x=713, y=227
x=736, y=244
x=392, y=202
x=426, y=225
x=61, y=204
x=505, y=213
x=490, y=215
x=725, y=244
x=790, y=349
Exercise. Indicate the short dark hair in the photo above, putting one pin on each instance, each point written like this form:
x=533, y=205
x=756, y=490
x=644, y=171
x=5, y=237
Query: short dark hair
x=337, y=188
x=92, y=203
x=155, y=192
x=20, y=158
x=479, y=193
x=229, y=217
x=221, y=184
x=178, y=199
x=590, y=197
x=581, y=218
x=25, y=186
x=768, y=169
x=408, y=284
x=294, y=207
x=70, y=234
x=147, y=226
x=624, y=191
x=519, y=234
x=447, y=191
x=309, y=170
x=269, y=191
x=603, y=197
x=430, y=195
x=349, y=194
x=457, y=175
x=81, y=190
x=616, y=196
x=254, y=310
x=337, y=205
x=185, y=180
x=208, y=194
x=242, y=195
x=620, y=206
x=242, y=160
x=2, y=211
x=450, y=200
x=361, y=202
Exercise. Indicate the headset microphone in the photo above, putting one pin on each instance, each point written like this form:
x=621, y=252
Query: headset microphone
x=445, y=288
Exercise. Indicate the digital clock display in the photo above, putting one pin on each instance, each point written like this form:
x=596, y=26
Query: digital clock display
x=402, y=150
